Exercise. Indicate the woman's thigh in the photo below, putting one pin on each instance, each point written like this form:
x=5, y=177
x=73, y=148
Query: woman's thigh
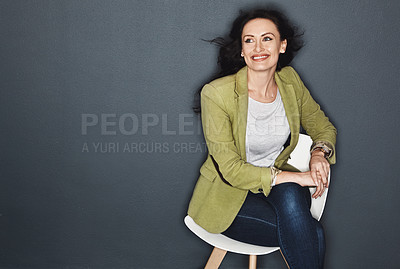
x=255, y=223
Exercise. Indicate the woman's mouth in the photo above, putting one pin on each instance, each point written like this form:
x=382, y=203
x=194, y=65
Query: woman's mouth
x=259, y=58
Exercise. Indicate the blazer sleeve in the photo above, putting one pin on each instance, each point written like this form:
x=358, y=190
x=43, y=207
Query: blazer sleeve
x=314, y=121
x=220, y=141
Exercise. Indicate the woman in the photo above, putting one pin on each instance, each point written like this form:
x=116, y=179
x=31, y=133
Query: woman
x=251, y=121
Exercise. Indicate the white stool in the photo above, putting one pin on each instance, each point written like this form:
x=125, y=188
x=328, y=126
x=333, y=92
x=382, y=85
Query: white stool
x=299, y=158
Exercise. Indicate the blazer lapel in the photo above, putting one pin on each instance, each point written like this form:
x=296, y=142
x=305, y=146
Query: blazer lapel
x=242, y=96
x=292, y=113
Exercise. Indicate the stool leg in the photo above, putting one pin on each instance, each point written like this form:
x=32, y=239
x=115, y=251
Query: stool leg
x=284, y=259
x=215, y=259
x=253, y=262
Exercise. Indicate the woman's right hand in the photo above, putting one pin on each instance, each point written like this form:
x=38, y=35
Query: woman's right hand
x=303, y=179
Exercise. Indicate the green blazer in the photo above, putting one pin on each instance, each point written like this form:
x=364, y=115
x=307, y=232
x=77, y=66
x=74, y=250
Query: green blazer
x=225, y=177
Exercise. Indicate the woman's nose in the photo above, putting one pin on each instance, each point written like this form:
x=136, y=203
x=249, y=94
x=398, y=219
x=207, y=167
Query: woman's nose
x=259, y=47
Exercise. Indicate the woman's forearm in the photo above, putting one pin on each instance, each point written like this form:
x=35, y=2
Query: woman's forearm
x=301, y=178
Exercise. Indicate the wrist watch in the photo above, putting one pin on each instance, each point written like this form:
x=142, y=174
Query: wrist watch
x=325, y=147
x=326, y=154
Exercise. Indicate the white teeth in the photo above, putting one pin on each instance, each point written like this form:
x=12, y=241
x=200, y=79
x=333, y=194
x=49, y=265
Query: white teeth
x=259, y=57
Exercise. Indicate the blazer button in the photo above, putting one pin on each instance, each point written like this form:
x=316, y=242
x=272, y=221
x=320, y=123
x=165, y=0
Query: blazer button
x=260, y=190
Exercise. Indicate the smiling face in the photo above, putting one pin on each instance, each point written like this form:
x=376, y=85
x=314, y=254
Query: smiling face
x=261, y=45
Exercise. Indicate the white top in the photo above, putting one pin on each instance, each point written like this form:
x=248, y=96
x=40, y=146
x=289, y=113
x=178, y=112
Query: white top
x=266, y=132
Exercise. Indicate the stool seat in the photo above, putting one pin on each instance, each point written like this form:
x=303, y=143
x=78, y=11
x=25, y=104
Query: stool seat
x=223, y=242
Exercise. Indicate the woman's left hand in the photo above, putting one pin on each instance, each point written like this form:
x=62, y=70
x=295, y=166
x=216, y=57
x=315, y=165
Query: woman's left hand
x=319, y=168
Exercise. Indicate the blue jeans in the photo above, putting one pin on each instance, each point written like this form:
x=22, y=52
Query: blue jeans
x=282, y=219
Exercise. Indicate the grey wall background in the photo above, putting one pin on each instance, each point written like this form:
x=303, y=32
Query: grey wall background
x=66, y=206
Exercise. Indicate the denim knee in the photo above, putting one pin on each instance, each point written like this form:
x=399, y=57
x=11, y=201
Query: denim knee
x=290, y=198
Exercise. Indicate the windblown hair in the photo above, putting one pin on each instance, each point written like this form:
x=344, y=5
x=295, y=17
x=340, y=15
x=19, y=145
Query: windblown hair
x=229, y=59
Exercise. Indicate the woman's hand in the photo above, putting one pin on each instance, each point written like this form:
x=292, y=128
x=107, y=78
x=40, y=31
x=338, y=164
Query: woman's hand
x=319, y=168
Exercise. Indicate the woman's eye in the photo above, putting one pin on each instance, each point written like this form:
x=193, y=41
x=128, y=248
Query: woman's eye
x=267, y=38
x=248, y=40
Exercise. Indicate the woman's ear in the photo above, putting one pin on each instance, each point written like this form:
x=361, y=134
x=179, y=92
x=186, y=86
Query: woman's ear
x=283, y=46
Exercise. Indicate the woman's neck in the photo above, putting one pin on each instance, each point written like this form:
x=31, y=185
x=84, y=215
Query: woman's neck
x=261, y=85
